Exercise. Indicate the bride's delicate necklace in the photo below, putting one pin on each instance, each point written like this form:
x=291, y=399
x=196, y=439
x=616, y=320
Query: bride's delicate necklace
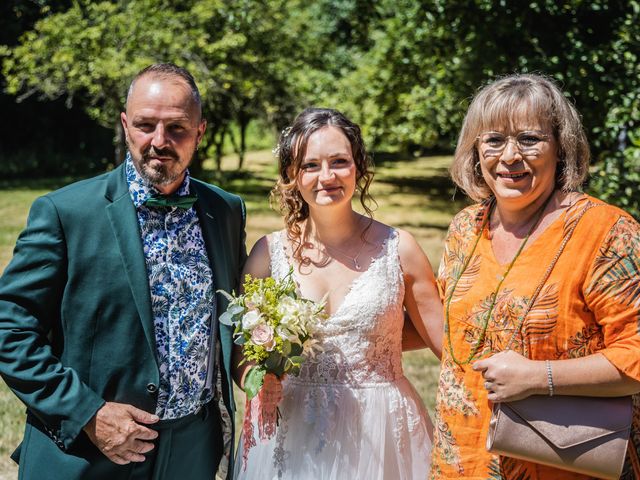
x=354, y=260
x=494, y=295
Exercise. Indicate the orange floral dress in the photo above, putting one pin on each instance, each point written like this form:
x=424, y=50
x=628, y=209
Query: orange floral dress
x=589, y=303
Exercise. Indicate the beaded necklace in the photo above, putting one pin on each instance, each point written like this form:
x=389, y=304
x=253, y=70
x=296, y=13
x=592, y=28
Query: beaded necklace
x=494, y=295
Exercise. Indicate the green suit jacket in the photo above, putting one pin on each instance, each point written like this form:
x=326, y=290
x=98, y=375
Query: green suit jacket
x=76, y=325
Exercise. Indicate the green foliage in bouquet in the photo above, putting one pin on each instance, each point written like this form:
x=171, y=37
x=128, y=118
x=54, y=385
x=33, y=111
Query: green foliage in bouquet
x=274, y=327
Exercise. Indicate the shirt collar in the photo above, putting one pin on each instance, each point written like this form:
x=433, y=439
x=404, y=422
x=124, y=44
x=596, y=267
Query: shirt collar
x=140, y=190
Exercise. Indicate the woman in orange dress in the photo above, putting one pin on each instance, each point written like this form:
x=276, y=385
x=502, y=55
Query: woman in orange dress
x=522, y=155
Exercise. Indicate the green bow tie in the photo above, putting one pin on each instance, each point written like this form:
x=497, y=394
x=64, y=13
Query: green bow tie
x=185, y=201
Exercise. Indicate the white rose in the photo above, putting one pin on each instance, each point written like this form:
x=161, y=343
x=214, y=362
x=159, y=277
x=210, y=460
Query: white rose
x=251, y=320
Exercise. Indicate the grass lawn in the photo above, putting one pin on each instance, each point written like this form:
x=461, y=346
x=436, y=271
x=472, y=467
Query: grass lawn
x=414, y=195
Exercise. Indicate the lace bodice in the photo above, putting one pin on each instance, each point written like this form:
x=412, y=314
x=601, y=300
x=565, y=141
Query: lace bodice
x=362, y=341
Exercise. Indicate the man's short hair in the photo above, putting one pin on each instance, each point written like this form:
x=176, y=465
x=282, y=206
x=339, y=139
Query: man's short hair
x=166, y=71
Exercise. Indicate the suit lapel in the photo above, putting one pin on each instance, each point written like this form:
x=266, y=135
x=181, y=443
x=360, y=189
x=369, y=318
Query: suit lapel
x=124, y=222
x=212, y=226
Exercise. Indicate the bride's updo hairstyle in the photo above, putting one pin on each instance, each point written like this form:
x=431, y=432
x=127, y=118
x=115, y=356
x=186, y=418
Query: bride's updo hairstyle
x=291, y=150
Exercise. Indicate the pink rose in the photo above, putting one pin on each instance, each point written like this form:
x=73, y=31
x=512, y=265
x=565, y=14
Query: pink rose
x=263, y=335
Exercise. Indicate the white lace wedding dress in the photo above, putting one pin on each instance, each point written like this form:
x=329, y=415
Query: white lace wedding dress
x=351, y=413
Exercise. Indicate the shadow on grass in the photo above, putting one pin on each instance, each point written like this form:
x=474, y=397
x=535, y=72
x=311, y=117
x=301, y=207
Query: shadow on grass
x=422, y=225
x=253, y=187
x=256, y=187
x=387, y=158
x=439, y=190
x=242, y=181
x=438, y=186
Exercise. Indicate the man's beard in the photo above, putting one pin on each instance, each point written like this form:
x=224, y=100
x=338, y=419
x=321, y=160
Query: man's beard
x=167, y=172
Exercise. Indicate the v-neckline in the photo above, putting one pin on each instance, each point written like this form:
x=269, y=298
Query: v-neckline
x=532, y=244
x=352, y=285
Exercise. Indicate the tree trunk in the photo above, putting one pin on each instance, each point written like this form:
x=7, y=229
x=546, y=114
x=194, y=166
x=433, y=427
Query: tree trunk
x=244, y=123
x=118, y=142
x=219, y=142
x=232, y=137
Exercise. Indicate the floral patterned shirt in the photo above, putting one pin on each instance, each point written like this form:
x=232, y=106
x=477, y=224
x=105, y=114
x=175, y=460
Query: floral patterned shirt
x=589, y=303
x=181, y=286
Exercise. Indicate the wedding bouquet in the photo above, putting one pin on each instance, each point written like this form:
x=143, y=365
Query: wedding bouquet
x=275, y=328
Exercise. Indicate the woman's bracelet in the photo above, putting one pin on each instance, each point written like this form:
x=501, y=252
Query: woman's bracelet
x=549, y=377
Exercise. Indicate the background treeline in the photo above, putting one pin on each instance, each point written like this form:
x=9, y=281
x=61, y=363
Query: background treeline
x=403, y=69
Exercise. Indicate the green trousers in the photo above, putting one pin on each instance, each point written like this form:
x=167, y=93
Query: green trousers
x=188, y=448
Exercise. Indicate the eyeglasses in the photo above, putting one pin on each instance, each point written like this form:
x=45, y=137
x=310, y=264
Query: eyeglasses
x=492, y=144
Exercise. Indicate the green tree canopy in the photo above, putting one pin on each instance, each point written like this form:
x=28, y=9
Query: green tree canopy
x=417, y=64
x=403, y=69
x=90, y=52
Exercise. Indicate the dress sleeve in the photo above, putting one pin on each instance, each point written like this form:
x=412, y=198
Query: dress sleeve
x=456, y=244
x=443, y=268
x=449, y=253
x=612, y=292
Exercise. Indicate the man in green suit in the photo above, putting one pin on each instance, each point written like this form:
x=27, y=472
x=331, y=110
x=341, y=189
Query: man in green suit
x=108, y=311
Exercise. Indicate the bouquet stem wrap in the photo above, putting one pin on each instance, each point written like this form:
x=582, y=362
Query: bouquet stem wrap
x=264, y=407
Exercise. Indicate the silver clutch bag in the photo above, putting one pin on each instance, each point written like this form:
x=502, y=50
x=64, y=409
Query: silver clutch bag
x=587, y=435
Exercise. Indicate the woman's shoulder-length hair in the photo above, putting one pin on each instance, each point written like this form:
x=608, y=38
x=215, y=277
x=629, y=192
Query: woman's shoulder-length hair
x=497, y=105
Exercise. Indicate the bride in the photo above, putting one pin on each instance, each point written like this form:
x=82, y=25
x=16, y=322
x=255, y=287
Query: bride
x=351, y=413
